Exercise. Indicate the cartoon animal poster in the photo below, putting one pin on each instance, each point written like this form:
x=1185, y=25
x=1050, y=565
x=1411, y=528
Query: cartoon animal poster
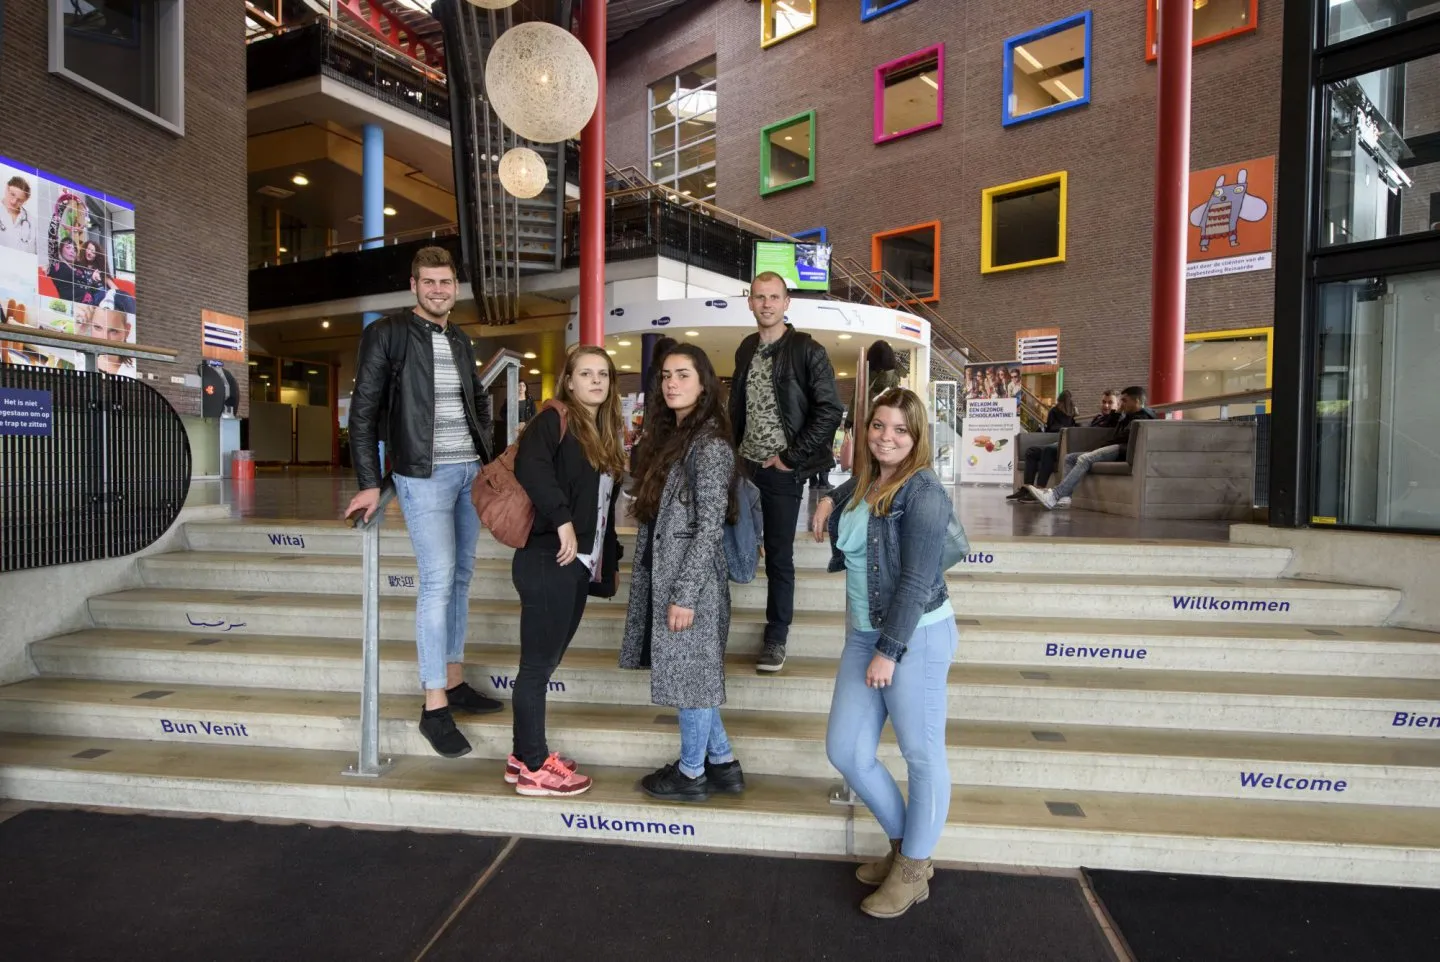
x=1231, y=226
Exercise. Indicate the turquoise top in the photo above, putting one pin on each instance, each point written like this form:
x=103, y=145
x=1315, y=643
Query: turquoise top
x=854, y=531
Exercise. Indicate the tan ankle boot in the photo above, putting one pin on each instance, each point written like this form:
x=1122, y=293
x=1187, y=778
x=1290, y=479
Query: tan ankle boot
x=874, y=873
x=906, y=885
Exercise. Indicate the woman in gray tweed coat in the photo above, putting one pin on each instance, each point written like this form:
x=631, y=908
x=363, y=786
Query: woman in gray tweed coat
x=679, y=616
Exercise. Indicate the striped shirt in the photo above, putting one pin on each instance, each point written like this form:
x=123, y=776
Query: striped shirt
x=453, y=444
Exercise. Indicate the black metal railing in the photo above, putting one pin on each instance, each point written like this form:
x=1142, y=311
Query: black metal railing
x=325, y=48
x=91, y=466
x=380, y=270
x=650, y=227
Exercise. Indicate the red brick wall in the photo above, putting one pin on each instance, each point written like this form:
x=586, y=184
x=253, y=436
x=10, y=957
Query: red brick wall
x=188, y=192
x=1099, y=298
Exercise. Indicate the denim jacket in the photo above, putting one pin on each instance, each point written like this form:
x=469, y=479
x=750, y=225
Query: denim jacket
x=904, y=549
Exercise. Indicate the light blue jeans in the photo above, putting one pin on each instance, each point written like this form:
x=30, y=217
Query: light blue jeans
x=915, y=703
x=1078, y=465
x=443, y=529
x=702, y=735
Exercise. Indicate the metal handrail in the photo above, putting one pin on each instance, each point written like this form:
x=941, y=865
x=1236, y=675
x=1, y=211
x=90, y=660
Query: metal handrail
x=91, y=347
x=369, y=764
x=1214, y=400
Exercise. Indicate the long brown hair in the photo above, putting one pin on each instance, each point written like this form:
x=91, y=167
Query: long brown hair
x=867, y=471
x=667, y=442
x=599, y=437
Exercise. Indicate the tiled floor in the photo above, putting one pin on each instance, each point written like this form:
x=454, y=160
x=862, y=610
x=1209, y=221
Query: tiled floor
x=310, y=493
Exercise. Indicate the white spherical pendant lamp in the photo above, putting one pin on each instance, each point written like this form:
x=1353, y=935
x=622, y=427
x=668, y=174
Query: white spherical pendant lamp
x=542, y=82
x=523, y=172
x=493, y=4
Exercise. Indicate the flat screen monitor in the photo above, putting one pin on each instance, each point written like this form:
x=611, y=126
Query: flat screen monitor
x=805, y=266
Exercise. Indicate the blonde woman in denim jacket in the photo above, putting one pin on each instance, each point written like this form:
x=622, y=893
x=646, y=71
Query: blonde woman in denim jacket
x=887, y=526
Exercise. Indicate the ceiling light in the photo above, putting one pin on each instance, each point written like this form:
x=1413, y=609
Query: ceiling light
x=624, y=367
x=841, y=374
x=624, y=343
x=529, y=355
x=659, y=164
x=254, y=363
x=788, y=137
x=711, y=184
x=1033, y=62
x=610, y=352
x=926, y=78
x=300, y=180
x=283, y=250
x=325, y=324
x=534, y=370
x=692, y=333
x=846, y=337
x=389, y=212
x=312, y=371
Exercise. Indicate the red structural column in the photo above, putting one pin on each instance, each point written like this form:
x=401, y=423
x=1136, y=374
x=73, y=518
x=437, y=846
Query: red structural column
x=1175, y=28
x=592, y=186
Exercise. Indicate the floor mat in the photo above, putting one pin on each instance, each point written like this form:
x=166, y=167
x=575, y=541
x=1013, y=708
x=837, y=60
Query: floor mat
x=84, y=885
x=1196, y=918
x=602, y=902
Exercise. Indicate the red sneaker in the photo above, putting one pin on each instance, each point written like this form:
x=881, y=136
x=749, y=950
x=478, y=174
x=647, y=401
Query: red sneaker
x=513, y=765
x=553, y=778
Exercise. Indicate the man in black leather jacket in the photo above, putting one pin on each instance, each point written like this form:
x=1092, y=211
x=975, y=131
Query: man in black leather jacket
x=417, y=387
x=784, y=410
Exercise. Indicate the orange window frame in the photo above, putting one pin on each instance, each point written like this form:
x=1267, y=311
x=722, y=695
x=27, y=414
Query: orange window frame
x=877, y=259
x=1150, y=17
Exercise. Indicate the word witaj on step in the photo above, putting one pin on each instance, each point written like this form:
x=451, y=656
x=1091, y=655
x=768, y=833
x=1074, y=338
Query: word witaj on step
x=287, y=540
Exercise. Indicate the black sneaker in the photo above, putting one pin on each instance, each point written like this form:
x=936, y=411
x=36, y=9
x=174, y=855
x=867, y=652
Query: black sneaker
x=673, y=785
x=438, y=727
x=1017, y=495
x=465, y=698
x=772, y=658
x=725, y=777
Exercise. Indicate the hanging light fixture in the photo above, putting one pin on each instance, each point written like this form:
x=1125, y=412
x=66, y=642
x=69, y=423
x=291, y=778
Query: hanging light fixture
x=493, y=4
x=523, y=172
x=541, y=82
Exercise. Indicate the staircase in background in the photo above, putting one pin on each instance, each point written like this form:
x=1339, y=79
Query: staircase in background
x=1203, y=714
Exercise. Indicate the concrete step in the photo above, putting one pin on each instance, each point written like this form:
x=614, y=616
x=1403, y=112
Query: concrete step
x=990, y=554
x=1364, y=771
x=1259, y=600
x=1258, y=838
x=1201, y=701
x=1170, y=644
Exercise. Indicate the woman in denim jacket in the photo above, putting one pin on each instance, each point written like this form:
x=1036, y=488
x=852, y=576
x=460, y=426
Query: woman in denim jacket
x=887, y=526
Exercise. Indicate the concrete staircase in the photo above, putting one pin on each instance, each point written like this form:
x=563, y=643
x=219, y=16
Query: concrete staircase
x=1206, y=715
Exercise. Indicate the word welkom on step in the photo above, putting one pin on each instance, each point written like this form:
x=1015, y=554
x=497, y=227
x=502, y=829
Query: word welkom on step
x=506, y=682
x=209, y=728
x=599, y=823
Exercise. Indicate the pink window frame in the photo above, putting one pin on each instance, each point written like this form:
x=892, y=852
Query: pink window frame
x=938, y=51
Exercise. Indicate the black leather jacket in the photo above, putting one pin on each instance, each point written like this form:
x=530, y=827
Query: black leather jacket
x=810, y=408
x=410, y=422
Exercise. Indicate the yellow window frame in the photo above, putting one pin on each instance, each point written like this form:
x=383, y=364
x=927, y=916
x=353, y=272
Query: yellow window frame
x=987, y=220
x=1235, y=334
x=767, y=20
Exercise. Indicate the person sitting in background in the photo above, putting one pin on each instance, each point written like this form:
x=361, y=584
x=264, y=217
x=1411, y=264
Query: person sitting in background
x=1077, y=464
x=1109, y=414
x=1040, y=459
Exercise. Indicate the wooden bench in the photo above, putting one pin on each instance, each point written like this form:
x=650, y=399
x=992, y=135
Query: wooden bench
x=1191, y=470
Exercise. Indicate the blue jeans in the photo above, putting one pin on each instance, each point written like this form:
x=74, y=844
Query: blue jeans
x=915, y=703
x=702, y=735
x=1078, y=465
x=443, y=528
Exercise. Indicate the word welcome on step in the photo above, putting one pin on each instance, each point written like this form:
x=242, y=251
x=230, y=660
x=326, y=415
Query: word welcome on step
x=1054, y=650
x=599, y=823
x=1212, y=603
x=506, y=683
x=287, y=540
x=1292, y=783
x=1405, y=719
x=210, y=728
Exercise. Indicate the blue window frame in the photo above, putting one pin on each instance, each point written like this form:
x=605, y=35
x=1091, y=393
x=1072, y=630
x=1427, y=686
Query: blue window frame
x=1055, y=70
x=870, y=9
x=820, y=234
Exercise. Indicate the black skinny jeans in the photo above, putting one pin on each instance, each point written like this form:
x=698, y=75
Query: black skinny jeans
x=552, y=601
x=1040, y=463
x=780, y=493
